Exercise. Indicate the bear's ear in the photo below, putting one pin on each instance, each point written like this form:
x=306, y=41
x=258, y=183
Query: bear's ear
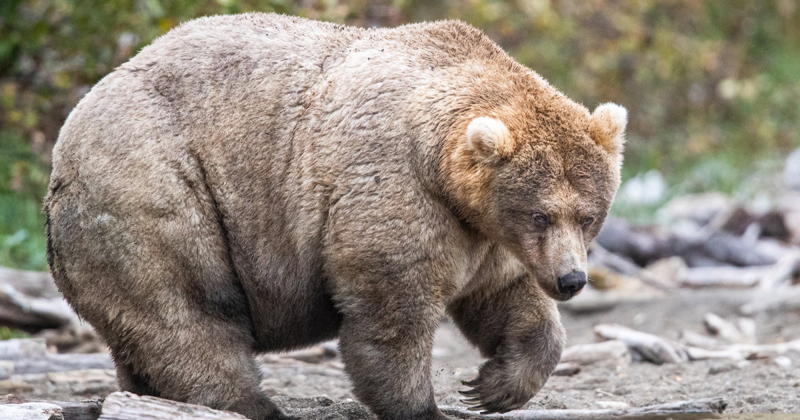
x=607, y=127
x=489, y=137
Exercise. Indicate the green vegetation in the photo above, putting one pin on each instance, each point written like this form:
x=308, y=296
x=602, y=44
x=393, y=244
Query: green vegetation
x=712, y=86
x=8, y=333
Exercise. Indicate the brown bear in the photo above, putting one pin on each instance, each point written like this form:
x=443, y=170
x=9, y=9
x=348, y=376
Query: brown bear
x=259, y=183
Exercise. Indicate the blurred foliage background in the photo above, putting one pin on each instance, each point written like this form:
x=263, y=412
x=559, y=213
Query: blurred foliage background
x=712, y=87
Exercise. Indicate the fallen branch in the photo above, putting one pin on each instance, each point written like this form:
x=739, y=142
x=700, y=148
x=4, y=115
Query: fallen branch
x=782, y=272
x=586, y=354
x=742, y=332
x=696, y=353
x=693, y=339
x=708, y=408
x=650, y=347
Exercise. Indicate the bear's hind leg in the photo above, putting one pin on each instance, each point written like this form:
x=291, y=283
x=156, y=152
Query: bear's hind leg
x=129, y=380
x=198, y=359
x=160, y=289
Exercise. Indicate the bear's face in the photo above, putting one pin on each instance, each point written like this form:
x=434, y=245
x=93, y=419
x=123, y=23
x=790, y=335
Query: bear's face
x=546, y=200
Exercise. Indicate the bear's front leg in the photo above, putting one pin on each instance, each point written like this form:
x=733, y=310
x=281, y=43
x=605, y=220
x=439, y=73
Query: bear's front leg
x=386, y=340
x=519, y=329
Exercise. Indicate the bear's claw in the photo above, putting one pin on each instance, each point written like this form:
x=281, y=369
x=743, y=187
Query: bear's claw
x=474, y=401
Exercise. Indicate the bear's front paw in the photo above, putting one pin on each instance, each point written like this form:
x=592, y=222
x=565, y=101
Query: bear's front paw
x=500, y=388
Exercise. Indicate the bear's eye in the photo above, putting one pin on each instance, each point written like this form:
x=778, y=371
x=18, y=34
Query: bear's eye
x=541, y=219
x=587, y=221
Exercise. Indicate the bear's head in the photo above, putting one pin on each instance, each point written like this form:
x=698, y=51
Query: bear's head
x=540, y=183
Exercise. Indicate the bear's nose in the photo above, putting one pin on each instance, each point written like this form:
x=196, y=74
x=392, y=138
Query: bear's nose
x=572, y=283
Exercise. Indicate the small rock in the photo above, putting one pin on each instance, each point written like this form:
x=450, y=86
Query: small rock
x=782, y=361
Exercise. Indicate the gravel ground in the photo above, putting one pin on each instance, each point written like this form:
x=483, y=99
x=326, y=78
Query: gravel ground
x=758, y=386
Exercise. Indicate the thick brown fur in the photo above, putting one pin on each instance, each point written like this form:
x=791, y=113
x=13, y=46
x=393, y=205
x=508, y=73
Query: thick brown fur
x=257, y=183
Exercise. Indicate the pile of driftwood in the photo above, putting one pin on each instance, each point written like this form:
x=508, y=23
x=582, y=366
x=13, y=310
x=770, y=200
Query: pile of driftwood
x=733, y=341
x=705, y=241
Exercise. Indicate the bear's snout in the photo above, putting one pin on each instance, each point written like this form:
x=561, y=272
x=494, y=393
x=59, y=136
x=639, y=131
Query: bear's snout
x=572, y=283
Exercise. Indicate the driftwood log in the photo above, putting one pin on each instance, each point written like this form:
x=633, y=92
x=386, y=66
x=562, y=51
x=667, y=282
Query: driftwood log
x=708, y=408
x=127, y=406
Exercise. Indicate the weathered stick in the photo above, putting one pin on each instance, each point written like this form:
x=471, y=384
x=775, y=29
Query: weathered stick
x=782, y=271
x=696, y=353
x=586, y=354
x=708, y=408
x=693, y=339
x=743, y=332
x=127, y=406
x=651, y=347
